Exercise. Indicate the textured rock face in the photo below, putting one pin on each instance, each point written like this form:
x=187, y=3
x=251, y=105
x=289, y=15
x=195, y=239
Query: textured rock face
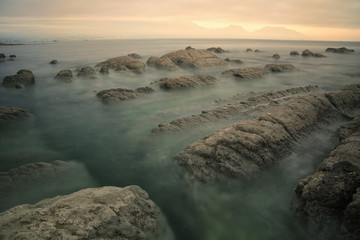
x=94, y=213
x=308, y=53
x=65, y=75
x=86, y=72
x=280, y=67
x=216, y=50
x=294, y=53
x=122, y=94
x=123, y=64
x=249, y=146
x=328, y=201
x=232, y=112
x=186, y=82
x=13, y=114
x=23, y=77
x=340, y=50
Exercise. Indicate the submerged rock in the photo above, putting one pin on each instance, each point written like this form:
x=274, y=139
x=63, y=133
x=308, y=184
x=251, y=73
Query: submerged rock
x=11, y=114
x=246, y=73
x=340, y=50
x=135, y=56
x=276, y=56
x=93, y=213
x=54, y=61
x=249, y=146
x=65, y=75
x=216, y=50
x=294, y=53
x=23, y=77
x=123, y=64
x=308, y=53
x=86, y=72
x=328, y=201
x=280, y=67
x=186, y=82
x=122, y=94
x=237, y=61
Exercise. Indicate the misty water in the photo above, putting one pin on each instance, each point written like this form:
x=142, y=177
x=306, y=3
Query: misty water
x=110, y=143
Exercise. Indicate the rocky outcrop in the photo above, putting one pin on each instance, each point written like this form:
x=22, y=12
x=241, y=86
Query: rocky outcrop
x=186, y=59
x=93, y=213
x=122, y=94
x=186, y=82
x=294, y=53
x=340, y=50
x=65, y=75
x=249, y=146
x=135, y=56
x=54, y=61
x=280, y=68
x=276, y=56
x=23, y=77
x=123, y=64
x=308, y=53
x=233, y=112
x=8, y=115
x=216, y=50
x=328, y=201
x=236, y=61
x=86, y=72
x=246, y=73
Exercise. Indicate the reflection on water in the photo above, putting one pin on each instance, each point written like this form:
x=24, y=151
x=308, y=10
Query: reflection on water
x=113, y=145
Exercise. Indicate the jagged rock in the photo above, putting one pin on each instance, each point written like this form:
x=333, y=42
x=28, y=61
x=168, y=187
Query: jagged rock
x=249, y=146
x=294, y=53
x=186, y=82
x=246, y=73
x=340, y=50
x=308, y=53
x=2, y=55
x=216, y=50
x=104, y=70
x=122, y=94
x=135, y=56
x=23, y=77
x=12, y=56
x=249, y=50
x=123, y=64
x=65, y=75
x=233, y=112
x=93, y=213
x=54, y=61
x=86, y=72
x=328, y=201
x=13, y=114
x=276, y=56
x=280, y=67
x=237, y=61
x=186, y=59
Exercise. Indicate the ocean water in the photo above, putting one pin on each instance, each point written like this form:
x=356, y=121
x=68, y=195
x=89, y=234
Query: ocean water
x=112, y=146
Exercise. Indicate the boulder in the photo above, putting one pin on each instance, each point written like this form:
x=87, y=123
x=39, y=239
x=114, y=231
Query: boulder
x=280, y=67
x=2, y=55
x=308, y=53
x=294, y=53
x=328, y=201
x=135, y=56
x=23, y=77
x=12, y=56
x=276, y=56
x=123, y=64
x=246, y=73
x=162, y=64
x=122, y=94
x=11, y=114
x=250, y=146
x=65, y=75
x=86, y=72
x=54, y=61
x=189, y=47
x=249, y=50
x=216, y=50
x=186, y=82
x=93, y=213
x=340, y=50
x=236, y=61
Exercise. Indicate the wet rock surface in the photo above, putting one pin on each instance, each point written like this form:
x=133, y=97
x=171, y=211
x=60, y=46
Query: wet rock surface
x=249, y=146
x=328, y=201
x=12, y=114
x=93, y=213
x=122, y=94
x=86, y=72
x=123, y=64
x=186, y=82
x=65, y=75
x=340, y=50
x=23, y=77
x=308, y=53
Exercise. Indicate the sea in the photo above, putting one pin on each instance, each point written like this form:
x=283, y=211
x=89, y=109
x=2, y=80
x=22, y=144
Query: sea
x=111, y=144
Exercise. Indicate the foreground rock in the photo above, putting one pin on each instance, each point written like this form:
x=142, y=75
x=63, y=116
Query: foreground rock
x=23, y=77
x=93, y=213
x=328, y=201
x=87, y=72
x=232, y=112
x=126, y=64
x=122, y=94
x=340, y=50
x=216, y=50
x=249, y=146
x=308, y=53
x=186, y=59
x=65, y=75
x=186, y=82
x=12, y=114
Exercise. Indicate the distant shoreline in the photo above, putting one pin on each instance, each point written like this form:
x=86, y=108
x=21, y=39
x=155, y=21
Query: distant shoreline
x=11, y=44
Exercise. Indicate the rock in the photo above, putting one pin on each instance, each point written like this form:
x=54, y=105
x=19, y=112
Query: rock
x=216, y=50
x=308, y=53
x=186, y=59
x=2, y=55
x=250, y=146
x=249, y=50
x=246, y=73
x=12, y=114
x=328, y=201
x=276, y=56
x=186, y=82
x=189, y=47
x=280, y=67
x=231, y=113
x=236, y=61
x=19, y=86
x=12, y=56
x=122, y=94
x=134, y=56
x=54, y=61
x=93, y=213
x=294, y=53
x=340, y=50
x=23, y=77
x=123, y=64
x=65, y=75
x=86, y=72
x=104, y=70
x=257, y=51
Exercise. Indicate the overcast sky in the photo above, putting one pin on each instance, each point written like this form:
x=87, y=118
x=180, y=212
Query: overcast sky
x=315, y=19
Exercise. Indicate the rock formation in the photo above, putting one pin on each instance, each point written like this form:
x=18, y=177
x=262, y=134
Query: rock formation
x=246, y=73
x=93, y=213
x=216, y=50
x=12, y=56
x=54, y=61
x=340, y=50
x=280, y=67
x=65, y=75
x=122, y=94
x=186, y=82
x=123, y=64
x=135, y=56
x=23, y=77
x=294, y=53
x=8, y=115
x=237, y=61
x=276, y=56
x=104, y=70
x=249, y=146
x=86, y=72
x=249, y=50
x=308, y=53
x=328, y=201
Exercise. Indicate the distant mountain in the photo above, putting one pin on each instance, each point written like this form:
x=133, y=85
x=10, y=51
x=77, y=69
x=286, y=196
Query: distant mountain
x=277, y=33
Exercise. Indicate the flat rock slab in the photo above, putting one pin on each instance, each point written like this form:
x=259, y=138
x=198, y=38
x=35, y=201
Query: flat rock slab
x=122, y=94
x=12, y=114
x=186, y=82
x=93, y=213
x=123, y=64
x=22, y=78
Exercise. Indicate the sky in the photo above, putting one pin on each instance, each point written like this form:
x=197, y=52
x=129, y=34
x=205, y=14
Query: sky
x=331, y=20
